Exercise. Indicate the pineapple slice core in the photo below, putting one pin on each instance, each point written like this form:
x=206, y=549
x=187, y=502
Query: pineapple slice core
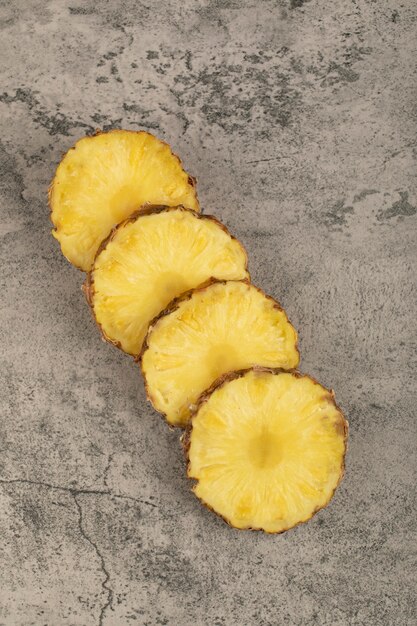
x=267, y=449
x=169, y=285
x=223, y=327
x=220, y=358
x=264, y=449
x=152, y=259
x=104, y=179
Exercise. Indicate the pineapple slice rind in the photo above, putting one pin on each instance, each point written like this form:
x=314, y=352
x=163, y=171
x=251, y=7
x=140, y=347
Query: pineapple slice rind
x=266, y=448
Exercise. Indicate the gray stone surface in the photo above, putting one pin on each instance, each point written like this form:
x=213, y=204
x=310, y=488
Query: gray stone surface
x=299, y=120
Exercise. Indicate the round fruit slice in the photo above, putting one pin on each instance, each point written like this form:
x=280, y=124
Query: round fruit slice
x=105, y=178
x=152, y=258
x=267, y=449
x=222, y=327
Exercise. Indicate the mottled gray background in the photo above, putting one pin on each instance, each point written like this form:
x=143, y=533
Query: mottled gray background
x=299, y=120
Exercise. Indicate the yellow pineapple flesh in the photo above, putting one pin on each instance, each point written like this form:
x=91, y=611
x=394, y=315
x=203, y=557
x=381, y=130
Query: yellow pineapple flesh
x=266, y=449
x=149, y=260
x=213, y=330
x=105, y=178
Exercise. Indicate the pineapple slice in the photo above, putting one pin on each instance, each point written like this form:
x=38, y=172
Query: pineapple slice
x=218, y=328
x=104, y=179
x=152, y=258
x=267, y=449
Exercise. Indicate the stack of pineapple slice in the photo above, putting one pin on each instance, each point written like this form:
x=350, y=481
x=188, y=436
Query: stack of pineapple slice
x=265, y=444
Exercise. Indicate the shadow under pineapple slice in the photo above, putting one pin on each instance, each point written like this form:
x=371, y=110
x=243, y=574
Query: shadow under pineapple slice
x=105, y=178
x=151, y=258
x=210, y=331
x=266, y=448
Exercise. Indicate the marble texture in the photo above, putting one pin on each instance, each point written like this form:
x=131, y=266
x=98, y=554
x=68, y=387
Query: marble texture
x=299, y=120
